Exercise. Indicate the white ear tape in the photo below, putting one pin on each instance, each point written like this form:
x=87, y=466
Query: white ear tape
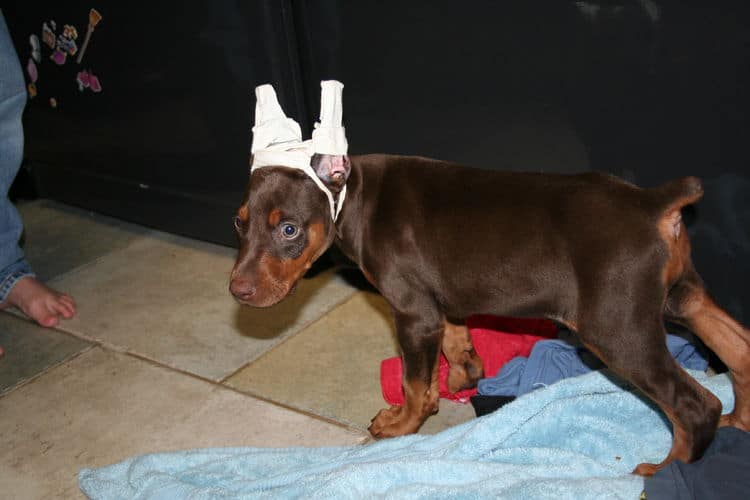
x=272, y=126
x=329, y=136
x=277, y=139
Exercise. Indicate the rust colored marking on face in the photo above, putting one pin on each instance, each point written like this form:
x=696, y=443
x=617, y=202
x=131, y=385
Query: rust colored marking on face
x=280, y=274
x=243, y=213
x=274, y=217
x=316, y=245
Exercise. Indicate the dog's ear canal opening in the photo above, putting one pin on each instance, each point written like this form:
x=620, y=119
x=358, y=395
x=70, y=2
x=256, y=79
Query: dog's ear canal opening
x=333, y=170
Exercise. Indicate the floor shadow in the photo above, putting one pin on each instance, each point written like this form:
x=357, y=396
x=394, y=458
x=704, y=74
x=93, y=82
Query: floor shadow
x=269, y=322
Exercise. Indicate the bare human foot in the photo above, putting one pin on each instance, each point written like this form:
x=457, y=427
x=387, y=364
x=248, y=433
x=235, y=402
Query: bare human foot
x=39, y=302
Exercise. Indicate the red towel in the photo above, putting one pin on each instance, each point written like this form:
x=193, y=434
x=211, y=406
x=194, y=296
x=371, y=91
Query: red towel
x=496, y=339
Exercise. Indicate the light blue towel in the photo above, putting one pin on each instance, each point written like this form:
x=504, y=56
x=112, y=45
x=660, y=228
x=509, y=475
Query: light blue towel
x=578, y=438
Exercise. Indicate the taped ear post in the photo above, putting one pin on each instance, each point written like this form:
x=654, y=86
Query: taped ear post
x=272, y=126
x=329, y=136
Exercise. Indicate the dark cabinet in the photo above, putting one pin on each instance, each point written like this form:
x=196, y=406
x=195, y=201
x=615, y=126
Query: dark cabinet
x=647, y=90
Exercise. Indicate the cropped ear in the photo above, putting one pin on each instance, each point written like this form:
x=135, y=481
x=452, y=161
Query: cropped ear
x=333, y=170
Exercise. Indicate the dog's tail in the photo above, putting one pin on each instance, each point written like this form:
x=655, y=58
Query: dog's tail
x=676, y=194
x=670, y=199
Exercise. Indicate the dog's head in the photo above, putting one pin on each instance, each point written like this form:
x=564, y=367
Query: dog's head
x=284, y=224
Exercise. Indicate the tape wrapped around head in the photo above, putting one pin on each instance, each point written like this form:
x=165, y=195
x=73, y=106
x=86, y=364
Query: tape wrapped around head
x=277, y=139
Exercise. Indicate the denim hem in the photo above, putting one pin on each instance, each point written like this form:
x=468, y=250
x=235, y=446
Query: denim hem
x=12, y=275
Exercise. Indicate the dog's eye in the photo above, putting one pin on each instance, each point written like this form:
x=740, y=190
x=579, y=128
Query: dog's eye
x=289, y=230
x=238, y=223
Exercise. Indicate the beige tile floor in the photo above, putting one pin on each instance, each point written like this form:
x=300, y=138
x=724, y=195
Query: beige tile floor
x=161, y=358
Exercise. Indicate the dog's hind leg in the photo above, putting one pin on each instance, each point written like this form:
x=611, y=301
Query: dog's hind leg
x=689, y=304
x=465, y=365
x=637, y=352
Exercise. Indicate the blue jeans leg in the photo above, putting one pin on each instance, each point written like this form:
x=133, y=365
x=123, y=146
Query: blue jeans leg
x=13, y=265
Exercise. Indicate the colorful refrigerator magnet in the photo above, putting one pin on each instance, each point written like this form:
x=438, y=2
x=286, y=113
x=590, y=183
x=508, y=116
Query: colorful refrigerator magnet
x=94, y=18
x=88, y=80
x=48, y=34
x=32, y=71
x=36, y=48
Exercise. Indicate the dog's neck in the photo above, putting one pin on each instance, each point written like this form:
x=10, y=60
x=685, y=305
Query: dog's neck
x=348, y=226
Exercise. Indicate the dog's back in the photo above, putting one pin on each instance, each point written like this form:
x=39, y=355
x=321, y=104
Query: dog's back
x=536, y=234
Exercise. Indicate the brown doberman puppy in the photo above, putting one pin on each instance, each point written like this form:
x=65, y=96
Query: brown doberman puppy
x=441, y=242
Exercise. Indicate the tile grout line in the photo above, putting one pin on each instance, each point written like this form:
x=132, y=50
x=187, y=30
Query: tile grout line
x=140, y=234
x=107, y=346
x=124, y=349
x=8, y=390
x=70, y=272
x=252, y=394
x=281, y=342
x=72, y=333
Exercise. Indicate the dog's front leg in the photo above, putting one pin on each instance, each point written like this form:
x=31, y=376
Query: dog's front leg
x=420, y=337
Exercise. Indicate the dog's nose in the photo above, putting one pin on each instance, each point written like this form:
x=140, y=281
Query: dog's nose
x=241, y=288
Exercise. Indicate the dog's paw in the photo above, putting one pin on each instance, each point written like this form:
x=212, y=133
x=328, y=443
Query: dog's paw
x=458, y=379
x=731, y=420
x=646, y=470
x=392, y=422
x=465, y=375
x=384, y=419
x=461, y=378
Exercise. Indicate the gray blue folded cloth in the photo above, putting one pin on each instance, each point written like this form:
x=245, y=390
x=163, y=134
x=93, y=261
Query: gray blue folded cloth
x=556, y=359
